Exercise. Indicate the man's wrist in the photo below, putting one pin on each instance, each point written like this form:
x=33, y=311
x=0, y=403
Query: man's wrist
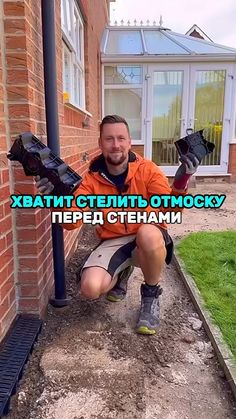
x=182, y=183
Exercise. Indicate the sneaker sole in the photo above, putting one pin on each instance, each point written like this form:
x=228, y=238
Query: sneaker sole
x=114, y=299
x=143, y=330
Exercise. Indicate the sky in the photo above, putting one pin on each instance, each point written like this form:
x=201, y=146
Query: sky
x=217, y=18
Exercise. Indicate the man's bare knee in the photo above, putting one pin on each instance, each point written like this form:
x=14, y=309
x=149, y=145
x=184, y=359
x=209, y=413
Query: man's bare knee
x=149, y=237
x=94, y=282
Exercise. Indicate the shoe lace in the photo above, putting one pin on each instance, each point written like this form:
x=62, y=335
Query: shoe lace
x=150, y=304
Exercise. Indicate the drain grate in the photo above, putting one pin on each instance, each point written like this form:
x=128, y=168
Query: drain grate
x=13, y=356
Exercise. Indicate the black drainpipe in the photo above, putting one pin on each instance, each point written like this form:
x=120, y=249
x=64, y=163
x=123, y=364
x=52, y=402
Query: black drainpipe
x=51, y=106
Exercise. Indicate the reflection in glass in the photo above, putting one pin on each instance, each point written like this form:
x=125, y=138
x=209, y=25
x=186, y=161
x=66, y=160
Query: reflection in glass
x=209, y=108
x=166, y=122
x=126, y=103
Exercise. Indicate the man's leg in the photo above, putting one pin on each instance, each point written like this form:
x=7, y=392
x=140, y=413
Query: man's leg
x=150, y=255
x=95, y=281
x=104, y=267
x=150, y=252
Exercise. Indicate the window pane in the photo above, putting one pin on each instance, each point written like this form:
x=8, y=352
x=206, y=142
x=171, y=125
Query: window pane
x=77, y=34
x=200, y=46
x=167, y=104
x=62, y=13
x=121, y=42
x=157, y=43
x=209, y=108
x=123, y=75
x=73, y=53
x=126, y=103
x=66, y=78
x=68, y=16
x=76, y=82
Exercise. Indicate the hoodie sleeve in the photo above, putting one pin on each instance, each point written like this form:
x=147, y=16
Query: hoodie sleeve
x=158, y=185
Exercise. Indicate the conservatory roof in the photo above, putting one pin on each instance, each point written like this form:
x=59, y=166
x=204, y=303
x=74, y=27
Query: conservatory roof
x=121, y=41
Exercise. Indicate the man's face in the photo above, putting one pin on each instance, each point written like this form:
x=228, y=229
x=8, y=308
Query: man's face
x=115, y=143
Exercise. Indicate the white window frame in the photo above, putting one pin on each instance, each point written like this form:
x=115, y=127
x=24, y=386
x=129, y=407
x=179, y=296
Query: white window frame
x=73, y=46
x=126, y=86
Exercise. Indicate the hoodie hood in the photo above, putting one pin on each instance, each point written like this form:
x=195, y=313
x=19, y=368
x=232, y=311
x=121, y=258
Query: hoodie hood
x=98, y=166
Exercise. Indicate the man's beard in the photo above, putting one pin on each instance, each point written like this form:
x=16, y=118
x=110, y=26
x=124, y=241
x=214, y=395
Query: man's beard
x=116, y=162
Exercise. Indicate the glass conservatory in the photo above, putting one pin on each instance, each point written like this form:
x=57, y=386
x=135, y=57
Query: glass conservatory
x=164, y=84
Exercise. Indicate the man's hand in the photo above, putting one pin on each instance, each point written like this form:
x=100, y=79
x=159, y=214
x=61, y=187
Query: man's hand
x=188, y=167
x=43, y=185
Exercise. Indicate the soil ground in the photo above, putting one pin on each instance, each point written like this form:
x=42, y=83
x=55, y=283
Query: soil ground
x=89, y=363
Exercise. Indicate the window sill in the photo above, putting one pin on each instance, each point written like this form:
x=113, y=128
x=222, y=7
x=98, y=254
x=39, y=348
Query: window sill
x=77, y=108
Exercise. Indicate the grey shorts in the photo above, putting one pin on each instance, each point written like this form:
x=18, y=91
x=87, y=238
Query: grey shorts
x=114, y=255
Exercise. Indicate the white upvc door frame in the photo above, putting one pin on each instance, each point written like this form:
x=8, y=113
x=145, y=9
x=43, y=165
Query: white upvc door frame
x=222, y=168
x=188, y=104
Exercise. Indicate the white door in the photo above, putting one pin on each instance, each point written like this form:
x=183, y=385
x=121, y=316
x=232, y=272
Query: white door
x=184, y=96
x=210, y=109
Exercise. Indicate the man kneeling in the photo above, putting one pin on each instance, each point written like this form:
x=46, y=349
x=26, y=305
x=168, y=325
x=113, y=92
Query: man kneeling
x=119, y=171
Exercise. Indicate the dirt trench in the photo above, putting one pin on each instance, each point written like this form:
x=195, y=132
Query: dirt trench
x=89, y=363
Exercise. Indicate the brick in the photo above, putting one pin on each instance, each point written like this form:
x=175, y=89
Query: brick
x=9, y=238
x=2, y=127
x=17, y=76
x=9, y=316
x=5, y=176
x=18, y=93
x=7, y=256
x=26, y=234
x=14, y=8
x=27, y=263
x=3, y=244
x=15, y=42
x=25, y=218
x=1, y=92
x=4, y=192
x=26, y=277
x=17, y=111
x=4, y=307
x=12, y=296
x=14, y=26
x=17, y=60
x=6, y=287
x=6, y=270
x=28, y=290
x=6, y=224
x=7, y=209
x=27, y=249
x=25, y=188
x=29, y=305
x=20, y=126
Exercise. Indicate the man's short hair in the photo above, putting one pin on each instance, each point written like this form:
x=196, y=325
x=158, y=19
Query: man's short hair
x=113, y=119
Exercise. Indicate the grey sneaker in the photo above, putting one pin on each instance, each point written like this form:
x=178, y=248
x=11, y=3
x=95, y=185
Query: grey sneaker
x=149, y=316
x=118, y=292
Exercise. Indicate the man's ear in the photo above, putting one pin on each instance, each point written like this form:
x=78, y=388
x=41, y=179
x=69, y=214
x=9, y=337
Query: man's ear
x=99, y=142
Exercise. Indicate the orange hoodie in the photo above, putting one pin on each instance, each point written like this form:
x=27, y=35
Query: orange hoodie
x=144, y=178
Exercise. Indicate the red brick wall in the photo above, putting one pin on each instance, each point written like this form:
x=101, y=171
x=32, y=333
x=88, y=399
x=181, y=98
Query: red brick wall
x=7, y=289
x=232, y=161
x=25, y=107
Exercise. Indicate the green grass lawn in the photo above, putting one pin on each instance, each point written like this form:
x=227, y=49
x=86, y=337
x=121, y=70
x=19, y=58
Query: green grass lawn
x=210, y=258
